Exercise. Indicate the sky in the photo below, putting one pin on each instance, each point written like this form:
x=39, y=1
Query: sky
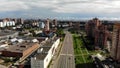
x=61, y=9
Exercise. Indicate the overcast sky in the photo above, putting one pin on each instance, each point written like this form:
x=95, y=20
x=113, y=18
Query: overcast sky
x=61, y=9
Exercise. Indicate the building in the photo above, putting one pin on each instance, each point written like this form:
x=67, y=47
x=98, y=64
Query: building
x=55, y=22
x=7, y=22
x=91, y=26
x=35, y=23
x=115, y=50
x=20, y=50
x=41, y=25
x=45, y=54
x=47, y=25
x=6, y=34
x=101, y=35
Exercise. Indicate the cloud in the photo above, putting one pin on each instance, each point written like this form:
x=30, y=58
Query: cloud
x=6, y=5
x=89, y=7
x=62, y=7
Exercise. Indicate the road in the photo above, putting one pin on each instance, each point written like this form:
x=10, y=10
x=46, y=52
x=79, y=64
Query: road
x=66, y=56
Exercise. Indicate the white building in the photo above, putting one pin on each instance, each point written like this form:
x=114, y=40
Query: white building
x=7, y=23
x=41, y=24
x=45, y=54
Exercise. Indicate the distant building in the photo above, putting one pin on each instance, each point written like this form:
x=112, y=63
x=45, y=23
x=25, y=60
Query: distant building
x=35, y=23
x=98, y=31
x=115, y=50
x=45, y=54
x=91, y=25
x=41, y=25
x=47, y=25
x=55, y=22
x=7, y=22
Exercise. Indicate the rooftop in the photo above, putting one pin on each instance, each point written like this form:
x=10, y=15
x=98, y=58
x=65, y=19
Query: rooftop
x=40, y=39
x=45, y=49
x=19, y=47
x=41, y=56
x=49, y=42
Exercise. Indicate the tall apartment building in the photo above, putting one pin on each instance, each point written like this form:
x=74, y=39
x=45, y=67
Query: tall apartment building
x=91, y=25
x=95, y=29
x=115, y=50
x=55, y=22
x=101, y=37
x=47, y=25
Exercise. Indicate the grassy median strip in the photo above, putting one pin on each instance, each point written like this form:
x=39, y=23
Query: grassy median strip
x=81, y=55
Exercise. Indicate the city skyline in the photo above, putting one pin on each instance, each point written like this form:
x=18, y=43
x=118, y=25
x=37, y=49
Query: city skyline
x=61, y=9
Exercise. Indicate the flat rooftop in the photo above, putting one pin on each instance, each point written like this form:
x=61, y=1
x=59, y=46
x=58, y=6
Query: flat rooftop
x=41, y=56
x=19, y=47
x=46, y=47
x=49, y=43
x=40, y=39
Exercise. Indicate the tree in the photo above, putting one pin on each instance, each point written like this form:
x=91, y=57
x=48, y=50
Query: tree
x=60, y=32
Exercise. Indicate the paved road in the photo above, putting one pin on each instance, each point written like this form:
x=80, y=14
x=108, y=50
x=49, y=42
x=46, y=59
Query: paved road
x=66, y=57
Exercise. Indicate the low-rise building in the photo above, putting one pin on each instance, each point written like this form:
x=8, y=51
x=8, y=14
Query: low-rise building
x=20, y=50
x=45, y=54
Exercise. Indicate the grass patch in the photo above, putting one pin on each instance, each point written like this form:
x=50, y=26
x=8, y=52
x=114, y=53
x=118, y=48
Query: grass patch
x=81, y=56
x=79, y=59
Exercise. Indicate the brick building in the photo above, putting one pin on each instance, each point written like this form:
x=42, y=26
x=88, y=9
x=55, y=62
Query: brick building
x=115, y=50
x=101, y=37
x=91, y=26
x=47, y=25
x=20, y=50
x=96, y=30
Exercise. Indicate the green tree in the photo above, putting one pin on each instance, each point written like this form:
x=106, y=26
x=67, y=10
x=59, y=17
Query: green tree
x=60, y=32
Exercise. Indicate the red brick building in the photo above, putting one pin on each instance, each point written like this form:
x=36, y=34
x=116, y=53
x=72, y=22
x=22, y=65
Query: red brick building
x=20, y=50
x=95, y=29
x=47, y=22
x=115, y=50
x=91, y=26
x=101, y=35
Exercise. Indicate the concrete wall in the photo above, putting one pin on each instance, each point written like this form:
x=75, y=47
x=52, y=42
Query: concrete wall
x=51, y=52
x=36, y=63
x=48, y=57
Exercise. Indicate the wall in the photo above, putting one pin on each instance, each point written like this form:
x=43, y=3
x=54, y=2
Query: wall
x=36, y=63
x=11, y=54
x=47, y=59
x=51, y=52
